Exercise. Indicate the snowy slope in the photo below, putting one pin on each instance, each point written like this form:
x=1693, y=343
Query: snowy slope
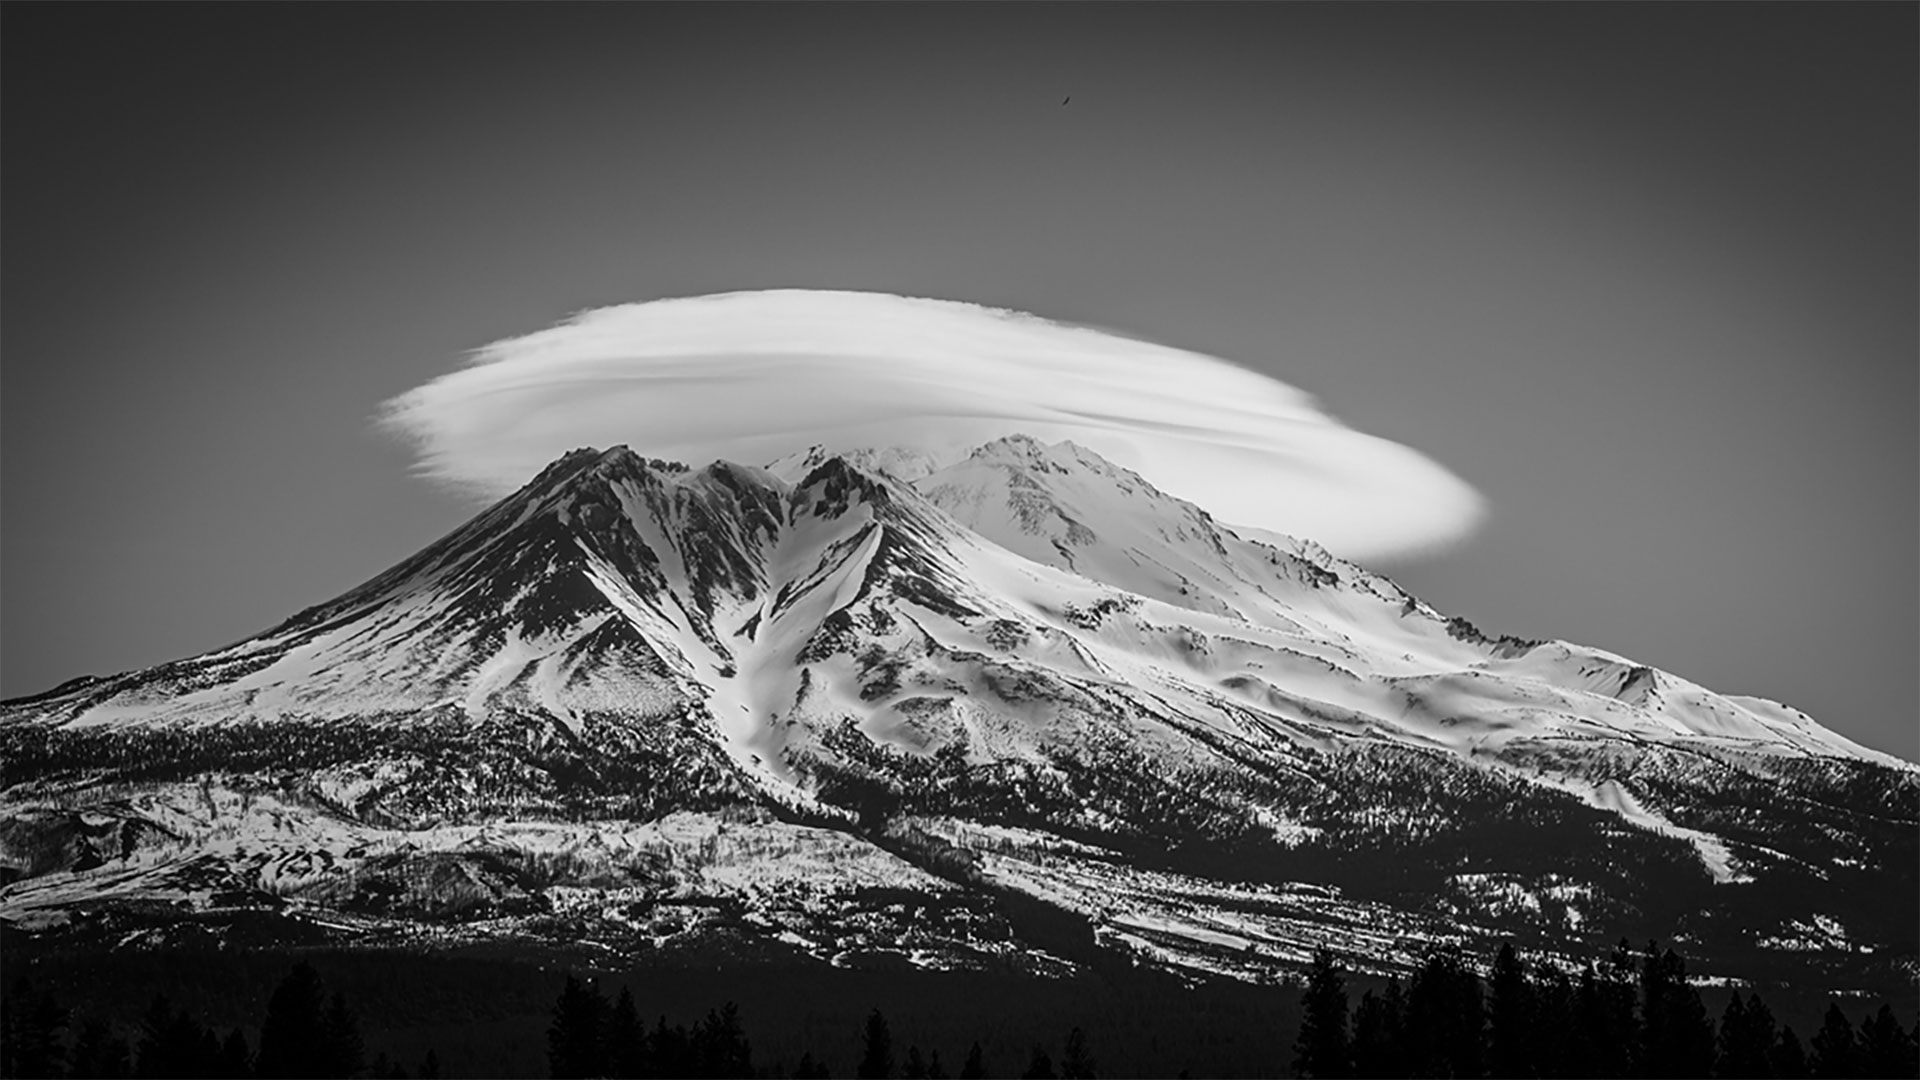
x=1063, y=506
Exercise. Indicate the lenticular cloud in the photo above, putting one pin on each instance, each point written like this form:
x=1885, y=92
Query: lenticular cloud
x=754, y=376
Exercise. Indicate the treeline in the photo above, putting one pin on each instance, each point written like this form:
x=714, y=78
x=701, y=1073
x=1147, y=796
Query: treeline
x=622, y=766
x=593, y=1037
x=1629, y=1015
x=306, y=1032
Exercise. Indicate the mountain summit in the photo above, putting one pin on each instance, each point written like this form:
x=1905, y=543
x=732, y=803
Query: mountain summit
x=660, y=707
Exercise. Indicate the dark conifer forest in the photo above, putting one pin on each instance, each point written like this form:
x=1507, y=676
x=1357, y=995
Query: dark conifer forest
x=1631, y=1012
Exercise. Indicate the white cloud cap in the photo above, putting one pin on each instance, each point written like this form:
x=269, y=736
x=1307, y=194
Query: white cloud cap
x=753, y=376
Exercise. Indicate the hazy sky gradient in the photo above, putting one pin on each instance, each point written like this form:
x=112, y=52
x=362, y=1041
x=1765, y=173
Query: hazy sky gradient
x=1645, y=275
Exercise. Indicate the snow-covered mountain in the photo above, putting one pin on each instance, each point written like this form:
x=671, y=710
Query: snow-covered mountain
x=660, y=708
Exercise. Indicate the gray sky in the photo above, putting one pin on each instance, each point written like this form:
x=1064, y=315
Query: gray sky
x=1644, y=274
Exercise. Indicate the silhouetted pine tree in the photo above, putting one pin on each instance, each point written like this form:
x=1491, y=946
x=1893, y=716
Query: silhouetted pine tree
x=173, y=1044
x=1728, y=1053
x=234, y=1061
x=1836, y=1050
x=1604, y=1008
x=293, y=1038
x=429, y=1067
x=974, y=1067
x=935, y=1070
x=1747, y=1037
x=670, y=1050
x=1510, y=1017
x=1559, y=1041
x=345, y=1053
x=809, y=1069
x=626, y=1039
x=574, y=1044
x=1377, y=1034
x=1077, y=1063
x=1445, y=1018
x=1322, y=1047
x=1887, y=1049
x=720, y=1044
x=915, y=1067
x=1790, y=1057
x=98, y=1052
x=13, y=1002
x=30, y=1039
x=1676, y=1038
x=208, y=1053
x=1039, y=1066
x=877, y=1060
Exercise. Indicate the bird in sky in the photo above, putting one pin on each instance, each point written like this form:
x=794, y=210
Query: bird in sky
x=1066, y=99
